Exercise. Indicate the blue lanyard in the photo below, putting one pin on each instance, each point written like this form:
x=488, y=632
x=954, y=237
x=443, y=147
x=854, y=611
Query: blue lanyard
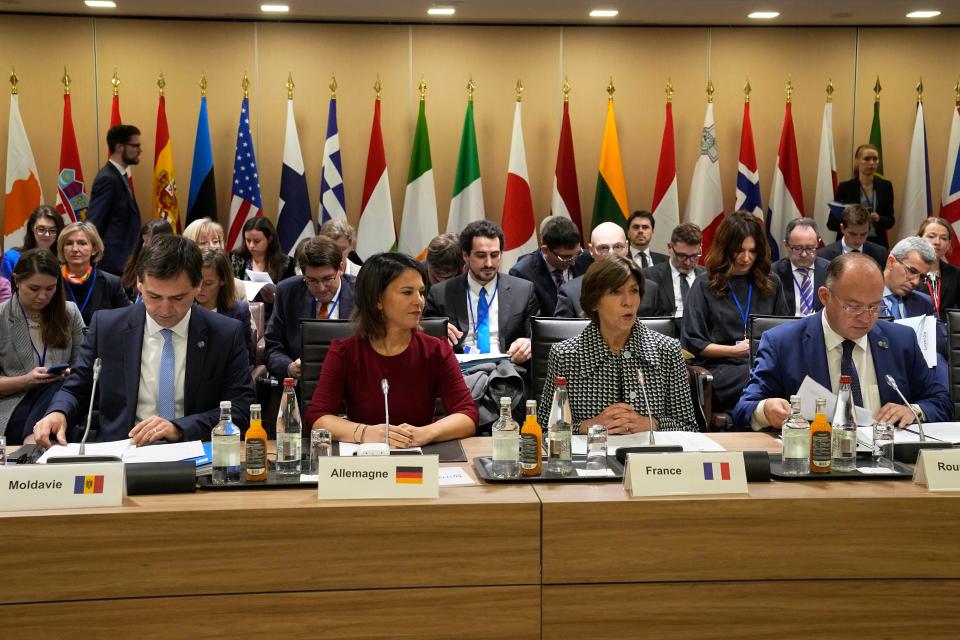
x=871, y=203
x=745, y=315
x=800, y=289
x=476, y=336
x=93, y=282
x=335, y=301
x=41, y=359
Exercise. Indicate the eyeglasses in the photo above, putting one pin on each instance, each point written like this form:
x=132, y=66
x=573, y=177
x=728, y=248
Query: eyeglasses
x=912, y=272
x=567, y=259
x=135, y=146
x=312, y=282
x=858, y=309
x=800, y=250
x=604, y=249
x=686, y=257
x=45, y=231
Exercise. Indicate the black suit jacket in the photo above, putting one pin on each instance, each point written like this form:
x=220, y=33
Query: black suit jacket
x=663, y=277
x=849, y=193
x=281, y=340
x=534, y=268
x=517, y=304
x=568, y=300
x=217, y=369
x=873, y=250
x=107, y=293
x=114, y=211
x=949, y=288
x=784, y=270
x=658, y=258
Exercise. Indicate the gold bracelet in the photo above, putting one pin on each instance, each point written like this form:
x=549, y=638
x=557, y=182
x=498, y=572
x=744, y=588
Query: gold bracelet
x=355, y=429
x=362, y=431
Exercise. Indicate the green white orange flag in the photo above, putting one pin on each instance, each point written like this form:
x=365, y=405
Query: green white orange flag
x=165, y=204
x=418, y=226
x=23, y=193
x=466, y=206
x=610, y=202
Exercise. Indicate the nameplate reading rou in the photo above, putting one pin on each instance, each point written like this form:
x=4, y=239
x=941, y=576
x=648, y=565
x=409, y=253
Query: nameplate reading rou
x=938, y=469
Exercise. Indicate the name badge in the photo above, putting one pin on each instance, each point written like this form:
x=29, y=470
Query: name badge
x=938, y=469
x=30, y=487
x=378, y=477
x=674, y=474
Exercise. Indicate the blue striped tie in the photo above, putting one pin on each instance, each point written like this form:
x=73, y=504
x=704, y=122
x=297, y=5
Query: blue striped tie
x=806, y=293
x=165, y=393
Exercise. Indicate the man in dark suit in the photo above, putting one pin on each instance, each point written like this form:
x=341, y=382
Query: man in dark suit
x=488, y=311
x=844, y=338
x=640, y=226
x=606, y=239
x=801, y=272
x=113, y=208
x=854, y=226
x=167, y=363
x=559, y=259
x=673, y=277
x=322, y=292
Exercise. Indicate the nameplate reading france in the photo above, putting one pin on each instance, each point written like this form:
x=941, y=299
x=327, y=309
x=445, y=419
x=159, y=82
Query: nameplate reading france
x=27, y=487
x=388, y=477
x=939, y=469
x=672, y=474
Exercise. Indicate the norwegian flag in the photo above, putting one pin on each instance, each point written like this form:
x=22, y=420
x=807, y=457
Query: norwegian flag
x=246, y=202
x=950, y=200
x=748, y=176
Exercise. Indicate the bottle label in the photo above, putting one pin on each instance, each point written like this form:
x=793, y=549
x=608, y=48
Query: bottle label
x=559, y=446
x=256, y=456
x=820, y=449
x=506, y=448
x=529, y=451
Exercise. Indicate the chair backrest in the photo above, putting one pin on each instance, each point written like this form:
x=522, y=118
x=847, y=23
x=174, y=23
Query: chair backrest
x=953, y=357
x=761, y=323
x=666, y=326
x=436, y=327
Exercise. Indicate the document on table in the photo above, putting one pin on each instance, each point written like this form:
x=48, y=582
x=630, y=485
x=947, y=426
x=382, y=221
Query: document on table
x=926, y=329
x=351, y=448
x=258, y=280
x=810, y=390
x=128, y=453
x=689, y=440
x=455, y=477
x=936, y=431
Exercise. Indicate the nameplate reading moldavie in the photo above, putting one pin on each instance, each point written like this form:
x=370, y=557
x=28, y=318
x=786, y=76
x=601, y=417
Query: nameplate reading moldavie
x=938, y=469
x=30, y=487
x=378, y=477
x=673, y=474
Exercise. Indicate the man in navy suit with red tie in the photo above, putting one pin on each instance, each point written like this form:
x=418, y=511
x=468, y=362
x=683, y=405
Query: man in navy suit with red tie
x=844, y=338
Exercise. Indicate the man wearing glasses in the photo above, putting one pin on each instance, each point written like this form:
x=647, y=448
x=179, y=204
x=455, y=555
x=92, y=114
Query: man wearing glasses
x=675, y=276
x=322, y=292
x=844, y=338
x=558, y=260
x=113, y=207
x=906, y=269
x=607, y=239
x=801, y=272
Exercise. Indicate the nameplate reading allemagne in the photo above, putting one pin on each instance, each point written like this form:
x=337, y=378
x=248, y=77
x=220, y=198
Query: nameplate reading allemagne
x=673, y=474
x=376, y=477
x=938, y=469
x=29, y=487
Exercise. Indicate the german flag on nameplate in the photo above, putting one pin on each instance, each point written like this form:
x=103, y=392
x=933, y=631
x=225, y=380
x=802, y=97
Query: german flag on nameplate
x=716, y=470
x=88, y=484
x=409, y=475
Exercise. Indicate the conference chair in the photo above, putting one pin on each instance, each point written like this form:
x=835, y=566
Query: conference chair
x=953, y=358
x=546, y=331
x=760, y=323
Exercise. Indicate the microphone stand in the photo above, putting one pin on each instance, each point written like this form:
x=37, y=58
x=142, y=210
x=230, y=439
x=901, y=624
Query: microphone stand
x=82, y=458
x=379, y=448
x=909, y=451
x=646, y=401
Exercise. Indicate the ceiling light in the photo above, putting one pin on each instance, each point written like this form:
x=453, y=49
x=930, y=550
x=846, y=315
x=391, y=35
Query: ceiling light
x=274, y=8
x=604, y=13
x=923, y=14
x=101, y=4
x=763, y=15
x=441, y=11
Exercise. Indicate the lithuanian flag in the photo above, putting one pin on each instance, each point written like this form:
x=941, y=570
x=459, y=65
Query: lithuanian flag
x=610, y=203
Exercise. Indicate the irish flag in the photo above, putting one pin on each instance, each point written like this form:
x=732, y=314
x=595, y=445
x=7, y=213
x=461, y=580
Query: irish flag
x=375, y=231
x=610, y=202
x=418, y=226
x=520, y=236
x=164, y=180
x=23, y=193
x=466, y=206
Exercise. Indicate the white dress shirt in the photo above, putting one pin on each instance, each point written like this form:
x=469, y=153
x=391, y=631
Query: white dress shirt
x=473, y=299
x=332, y=313
x=675, y=276
x=635, y=254
x=567, y=273
x=124, y=171
x=148, y=393
x=846, y=249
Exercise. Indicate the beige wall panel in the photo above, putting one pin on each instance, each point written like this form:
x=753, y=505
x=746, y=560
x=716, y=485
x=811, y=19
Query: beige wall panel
x=768, y=57
x=496, y=56
x=640, y=61
x=356, y=53
x=900, y=57
x=140, y=50
x=39, y=48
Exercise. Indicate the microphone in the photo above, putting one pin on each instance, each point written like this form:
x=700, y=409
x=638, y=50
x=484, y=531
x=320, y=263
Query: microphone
x=893, y=385
x=379, y=448
x=386, y=410
x=646, y=401
x=97, y=368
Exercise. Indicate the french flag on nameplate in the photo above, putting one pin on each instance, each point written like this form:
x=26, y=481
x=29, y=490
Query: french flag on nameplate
x=414, y=475
x=87, y=484
x=716, y=470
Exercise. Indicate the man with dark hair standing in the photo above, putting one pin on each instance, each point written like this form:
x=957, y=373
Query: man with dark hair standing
x=322, y=292
x=559, y=259
x=675, y=276
x=640, y=227
x=167, y=363
x=488, y=311
x=802, y=271
x=113, y=208
x=854, y=229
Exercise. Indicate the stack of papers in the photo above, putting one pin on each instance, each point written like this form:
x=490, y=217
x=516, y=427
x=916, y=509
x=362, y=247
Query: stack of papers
x=689, y=440
x=129, y=453
x=935, y=431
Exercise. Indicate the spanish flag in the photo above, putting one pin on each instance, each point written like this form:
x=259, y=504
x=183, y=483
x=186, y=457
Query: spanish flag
x=88, y=484
x=164, y=181
x=610, y=202
x=409, y=475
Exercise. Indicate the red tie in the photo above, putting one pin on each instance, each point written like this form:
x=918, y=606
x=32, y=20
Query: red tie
x=324, y=311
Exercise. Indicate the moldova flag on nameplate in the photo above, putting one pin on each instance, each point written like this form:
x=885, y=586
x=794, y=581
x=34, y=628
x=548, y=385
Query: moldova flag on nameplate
x=716, y=470
x=409, y=475
x=88, y=484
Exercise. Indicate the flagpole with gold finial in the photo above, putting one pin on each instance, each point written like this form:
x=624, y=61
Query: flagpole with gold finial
x=203, y=84
x=66, y=82
x=422, y=89
x=14, y=79
x=566, y=88
x=829, y=89
x=245, y=83
x=519, y=90
x=115, y=81
x=710, y=91
x=471, y=89
x=747, y=90
x=333, y=86
x=956, y=93
x=610, y=90
x=668, y=90
x=290, y=85
x=920, y=90
x=789, y=90
x=377, y=87
x=877, y=88
x=161, y=83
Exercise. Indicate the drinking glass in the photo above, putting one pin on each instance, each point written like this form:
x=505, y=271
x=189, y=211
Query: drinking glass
x=883, y=435
x=321, y=446
x=597, y=448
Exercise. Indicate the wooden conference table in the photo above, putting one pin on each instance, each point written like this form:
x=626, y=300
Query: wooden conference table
x=828, y=559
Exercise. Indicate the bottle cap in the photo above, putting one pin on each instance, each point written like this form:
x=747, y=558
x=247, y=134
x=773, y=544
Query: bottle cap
x=225, y=404
x=255, y=407
x=289, y=382
x=561, y=380
x=504, y=401
x=531, y=404
x=846, y=380
x=794, y=399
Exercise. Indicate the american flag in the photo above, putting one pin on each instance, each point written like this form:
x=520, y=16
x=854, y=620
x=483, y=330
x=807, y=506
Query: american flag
x=246, y=202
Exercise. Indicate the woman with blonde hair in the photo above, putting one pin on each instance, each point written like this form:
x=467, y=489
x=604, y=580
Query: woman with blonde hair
x=80, y=250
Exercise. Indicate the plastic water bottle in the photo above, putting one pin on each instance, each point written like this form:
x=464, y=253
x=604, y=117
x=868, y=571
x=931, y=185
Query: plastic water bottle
x=225, y=445
x=506, y=444
x=559, y=460
x=796, y=442
x=289, y=432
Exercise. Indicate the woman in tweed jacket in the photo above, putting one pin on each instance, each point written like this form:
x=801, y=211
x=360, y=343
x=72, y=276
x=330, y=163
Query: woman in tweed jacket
x=606, y=364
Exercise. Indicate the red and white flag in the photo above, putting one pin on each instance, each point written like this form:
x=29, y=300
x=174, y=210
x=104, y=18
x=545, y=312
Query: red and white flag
x=72, y=201
x=375, y=230
x=666, y=202
x=950, y=200
x=566, y=192
x=519, y=233
x=826, y=171
x=705, y=203
x=786, y=194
